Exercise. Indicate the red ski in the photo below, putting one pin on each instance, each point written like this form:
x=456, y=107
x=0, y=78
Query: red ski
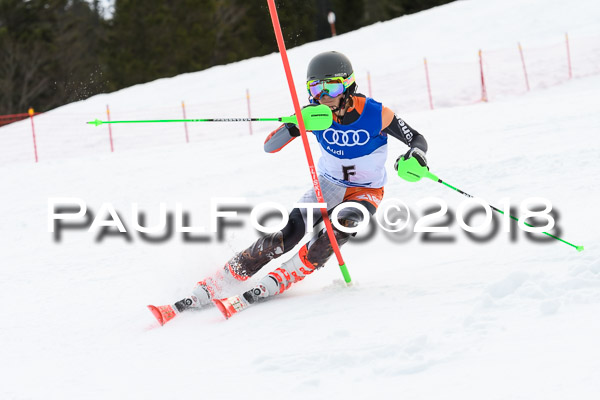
x=163, y=314
x=231, y=305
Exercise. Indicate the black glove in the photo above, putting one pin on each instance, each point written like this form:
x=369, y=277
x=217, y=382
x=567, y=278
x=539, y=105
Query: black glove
x=415, y=152
x=293, y=129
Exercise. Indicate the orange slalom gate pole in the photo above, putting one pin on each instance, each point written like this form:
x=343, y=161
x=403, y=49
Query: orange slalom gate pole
x=331, y=20
x=31, y=113
x=524, y=69
x=484, y=96
x=187, y=136
x=249, y=112
x=569, y=56
x=369, y=83
x=428, y=83
x=301, y=126
x=112, y=149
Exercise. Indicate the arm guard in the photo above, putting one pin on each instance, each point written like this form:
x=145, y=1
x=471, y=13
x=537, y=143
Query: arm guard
x=280, y=137
x=407, y=135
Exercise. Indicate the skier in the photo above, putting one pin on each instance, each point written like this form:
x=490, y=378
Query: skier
x=351, y=168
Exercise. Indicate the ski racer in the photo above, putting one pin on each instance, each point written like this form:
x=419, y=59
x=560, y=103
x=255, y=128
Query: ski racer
x=351, y=169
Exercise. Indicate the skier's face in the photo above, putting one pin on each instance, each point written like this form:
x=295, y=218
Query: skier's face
x=331, y=102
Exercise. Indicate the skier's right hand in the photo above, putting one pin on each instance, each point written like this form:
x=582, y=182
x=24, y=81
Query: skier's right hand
x=293, y=129
x=415, y=152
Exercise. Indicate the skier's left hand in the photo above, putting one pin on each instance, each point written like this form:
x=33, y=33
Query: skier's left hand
x=415, y=152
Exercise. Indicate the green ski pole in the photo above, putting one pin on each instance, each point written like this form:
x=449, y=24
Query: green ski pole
x=315, y=118
x=410, y=170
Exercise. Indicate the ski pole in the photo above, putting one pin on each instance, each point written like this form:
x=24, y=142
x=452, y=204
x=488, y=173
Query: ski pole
x=315, y=118
x=304, y=125
x=412, y=171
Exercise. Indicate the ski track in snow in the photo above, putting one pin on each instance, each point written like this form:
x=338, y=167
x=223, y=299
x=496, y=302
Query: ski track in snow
x=462, y=320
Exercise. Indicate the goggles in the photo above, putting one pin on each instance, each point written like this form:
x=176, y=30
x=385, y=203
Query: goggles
x=332, y=87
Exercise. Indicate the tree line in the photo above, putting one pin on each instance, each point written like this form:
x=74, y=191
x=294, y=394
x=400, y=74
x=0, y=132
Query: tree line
x=54, y=52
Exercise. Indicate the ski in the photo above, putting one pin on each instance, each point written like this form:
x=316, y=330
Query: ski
x=163, y=314
x=231, y=305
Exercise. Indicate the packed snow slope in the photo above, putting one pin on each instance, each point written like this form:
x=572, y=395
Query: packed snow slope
x=456, y=319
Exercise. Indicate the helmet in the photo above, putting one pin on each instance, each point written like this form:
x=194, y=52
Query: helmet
x=330, y=64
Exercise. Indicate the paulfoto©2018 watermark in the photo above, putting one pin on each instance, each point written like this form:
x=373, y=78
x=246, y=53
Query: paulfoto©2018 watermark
x=398, y=222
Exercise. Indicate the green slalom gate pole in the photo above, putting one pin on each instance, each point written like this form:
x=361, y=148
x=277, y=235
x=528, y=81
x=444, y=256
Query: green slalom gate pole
x=315, y=118
x=412, y=171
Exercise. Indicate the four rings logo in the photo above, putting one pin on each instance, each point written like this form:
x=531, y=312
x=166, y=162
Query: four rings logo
x=346, y=138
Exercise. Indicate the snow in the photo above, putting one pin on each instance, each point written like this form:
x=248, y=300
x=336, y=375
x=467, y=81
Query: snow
x=499, y=319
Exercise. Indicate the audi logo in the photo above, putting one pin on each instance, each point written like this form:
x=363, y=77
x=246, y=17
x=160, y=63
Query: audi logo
x=346, y=138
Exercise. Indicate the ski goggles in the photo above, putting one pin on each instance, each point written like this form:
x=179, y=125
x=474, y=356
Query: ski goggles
x=332, y=87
